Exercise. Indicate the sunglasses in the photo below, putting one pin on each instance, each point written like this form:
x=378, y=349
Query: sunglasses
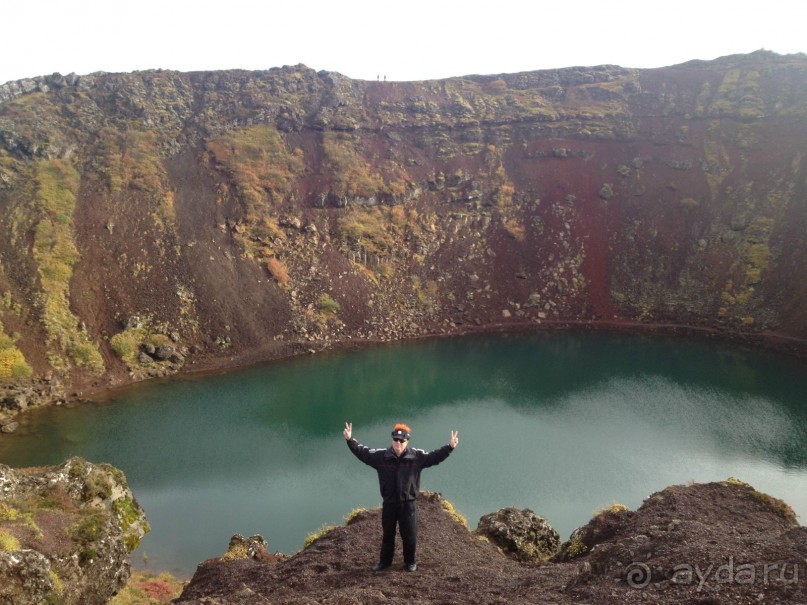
x=399, y=440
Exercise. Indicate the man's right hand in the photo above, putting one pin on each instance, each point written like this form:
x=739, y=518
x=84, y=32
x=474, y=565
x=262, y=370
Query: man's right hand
x=348, y=432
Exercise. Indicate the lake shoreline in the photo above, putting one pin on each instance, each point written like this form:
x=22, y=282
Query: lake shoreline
x=279, y=351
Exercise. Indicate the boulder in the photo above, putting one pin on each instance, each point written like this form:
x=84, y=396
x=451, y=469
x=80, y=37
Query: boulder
x=72, y=541
x=26, y=577
x=520, y=533
x=164, y=352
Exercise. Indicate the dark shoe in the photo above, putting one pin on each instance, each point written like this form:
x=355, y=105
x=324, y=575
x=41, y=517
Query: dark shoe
x=411, y=567
x=380, y=566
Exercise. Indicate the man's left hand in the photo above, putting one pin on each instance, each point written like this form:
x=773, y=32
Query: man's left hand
x=454, y=441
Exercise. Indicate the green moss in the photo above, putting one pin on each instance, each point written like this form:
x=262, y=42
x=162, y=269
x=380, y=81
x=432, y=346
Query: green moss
x=86, y=532
x=128, y=517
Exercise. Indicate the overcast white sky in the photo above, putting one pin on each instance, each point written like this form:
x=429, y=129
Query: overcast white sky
x=404, y=40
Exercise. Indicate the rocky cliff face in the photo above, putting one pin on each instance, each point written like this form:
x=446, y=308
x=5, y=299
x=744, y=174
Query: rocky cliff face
x=156, y=220
x=66, y=533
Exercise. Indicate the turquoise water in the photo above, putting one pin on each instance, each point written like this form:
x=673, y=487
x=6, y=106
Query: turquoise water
x=559, y=423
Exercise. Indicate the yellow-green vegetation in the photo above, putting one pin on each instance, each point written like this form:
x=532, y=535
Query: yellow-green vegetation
x=753, y=257
x=13, y=366
x=739, y=94
x=455, y=515
x=127, y=343
x=576, y=546
x=86, y=532
x=55, y=254
x=327, y=305
x=321, y=532
x=426, y=294
x=262, y=171
x=10, y=304
x=165, y=215
x=718, y=158
x=128, y=516
x=259, y=164
x=325, y=312
x=368, y=228
x=129, y=159
x=613, y=509
x=8, y=541
x=353, y=515
x=57, y=594
x=21, y=513
x=237, y=551
x=146, y=588
x=353, y=175
x=778, y=506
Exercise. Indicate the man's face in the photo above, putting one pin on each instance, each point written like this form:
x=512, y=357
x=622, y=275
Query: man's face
x=398, y=446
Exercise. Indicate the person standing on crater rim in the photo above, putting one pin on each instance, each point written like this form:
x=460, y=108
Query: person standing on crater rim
x=398, y=469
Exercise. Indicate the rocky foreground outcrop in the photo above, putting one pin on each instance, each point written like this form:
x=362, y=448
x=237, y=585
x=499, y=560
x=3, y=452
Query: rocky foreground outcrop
x=66, y=533
x=706, y=543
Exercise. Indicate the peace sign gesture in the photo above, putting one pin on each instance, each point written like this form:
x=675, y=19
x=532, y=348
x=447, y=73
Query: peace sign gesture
x=454, y=439
x=348, y=432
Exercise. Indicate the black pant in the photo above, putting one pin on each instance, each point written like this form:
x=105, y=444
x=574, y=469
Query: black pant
x=404, y=514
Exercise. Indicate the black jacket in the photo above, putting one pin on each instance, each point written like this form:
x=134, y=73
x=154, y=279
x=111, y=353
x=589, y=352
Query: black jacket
x=398, y=478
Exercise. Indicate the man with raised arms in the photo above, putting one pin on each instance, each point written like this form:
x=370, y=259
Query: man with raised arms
x=398, y=468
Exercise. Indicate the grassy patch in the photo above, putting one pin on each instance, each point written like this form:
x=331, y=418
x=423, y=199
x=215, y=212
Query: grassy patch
x=8, y=542
x=366, y=228
x=353, y=515
x=327, y=305
x=259, y=165
x=613, y=509
x=55, y=253
x=321, y=532
x=576, y=547
x=262, y=172
x=453, y=512
x=13, y=366
x=21, y=513
x=352, y=175
x=128, y=343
